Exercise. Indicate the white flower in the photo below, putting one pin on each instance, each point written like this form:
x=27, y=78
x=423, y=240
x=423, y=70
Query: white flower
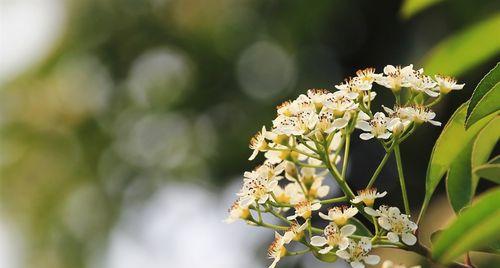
x=285, y=109
x=368, y=196
x=397, y=224
x=357, y=253
x=340, y=103
x=397, y=125
x=396, y=77
x=390, y=264
x=317, y=189
x=422, y=83
x=236, y=212
x=287, y=125
x=353, y=87
x=445, y=84
x=290, y=192
x=277, y=249
x=259, y=143
x=419, y=114
x=255, y=188
x=307, y=120
x=304, y=209
x=333, y=237
x=376, y=127
x=295, y=232
x=368, y=75
x=340, y=215
x=267, y=171
x=303, y=102
x=317, y=97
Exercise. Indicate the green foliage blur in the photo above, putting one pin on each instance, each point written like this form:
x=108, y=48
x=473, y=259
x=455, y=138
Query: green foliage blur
x=136, y=94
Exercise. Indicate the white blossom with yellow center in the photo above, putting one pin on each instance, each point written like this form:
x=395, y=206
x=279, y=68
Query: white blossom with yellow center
x=333, y=237
x=304, y=209
x=419, y=114
x=236, y=212
x=445, y=84
x=368, y=196
x=357, y=253
x=396, y=77
x=397, y=224
x=340, y=215
x=375, y=127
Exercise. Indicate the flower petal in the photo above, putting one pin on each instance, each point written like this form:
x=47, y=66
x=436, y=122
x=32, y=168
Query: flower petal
x=357, y=264
x=409, y=239
x=343, y=254
x=371, y=259
x=366, y=136
x=347, y=230
x=326, y=250
x=393, y=237
x=318, y=241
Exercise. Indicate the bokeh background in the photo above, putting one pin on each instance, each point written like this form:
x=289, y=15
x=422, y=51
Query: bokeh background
x=124, y=124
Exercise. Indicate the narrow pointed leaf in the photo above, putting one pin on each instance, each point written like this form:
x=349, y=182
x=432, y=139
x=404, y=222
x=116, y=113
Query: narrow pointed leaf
x=475, y=228
x=412, y=7
x=360, y=228
x=452, y=141
x=483, y=147
x=459, y=186
x=488, y=82
x=487, y=105
x=489, y=171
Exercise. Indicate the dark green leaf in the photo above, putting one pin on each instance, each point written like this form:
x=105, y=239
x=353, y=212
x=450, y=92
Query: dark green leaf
x=360, y=228
x=495, y=160
x=483, y=146
x=488, y=104
x=459, y=180
x=489, y=171
x=329, y=257
x=485, y=85
x=475, y=228
x=452, y=141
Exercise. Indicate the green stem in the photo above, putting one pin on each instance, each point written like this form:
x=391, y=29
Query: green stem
x=380, y=167
x=334, y=200
x=270, y=209
x=434, y=102
x=343, y=185
x=259, y=212
x=399, y=164
x=268, y=225
x=346, y=154
x=300, y=252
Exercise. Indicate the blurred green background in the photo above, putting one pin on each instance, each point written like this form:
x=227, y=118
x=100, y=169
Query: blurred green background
x=124, y=124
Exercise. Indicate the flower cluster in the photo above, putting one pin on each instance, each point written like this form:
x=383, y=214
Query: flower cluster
x=309, y=141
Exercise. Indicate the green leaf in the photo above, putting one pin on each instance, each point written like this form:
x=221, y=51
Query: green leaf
x=483, y=146
x=466, y=49
x=329, y=257
x=476, y=228
x=452, y=141
x=489, y=171
x=488, y=104
x=435, y=235
x=412, y=7
x=485, y=85
x=495, y=160
x=459, y=180
x=360, y=228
